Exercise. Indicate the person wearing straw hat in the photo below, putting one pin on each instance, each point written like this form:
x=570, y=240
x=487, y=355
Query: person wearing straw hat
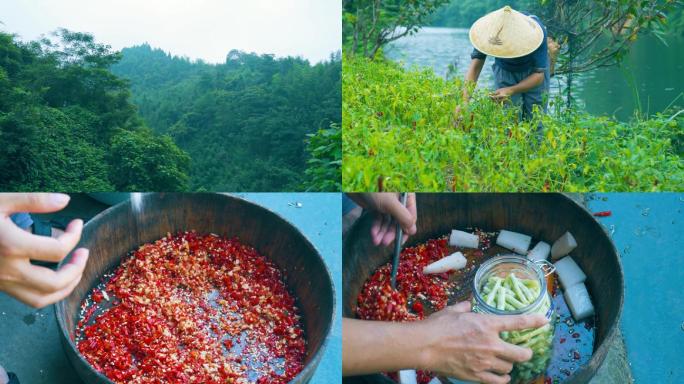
x=518, y=43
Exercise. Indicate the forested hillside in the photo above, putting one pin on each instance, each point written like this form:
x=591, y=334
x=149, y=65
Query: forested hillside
x=66, y=122
x=245, y=122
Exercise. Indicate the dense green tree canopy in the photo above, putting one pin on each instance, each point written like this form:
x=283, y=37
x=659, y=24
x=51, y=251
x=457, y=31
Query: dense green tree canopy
x=74, y=116
x=243, y=122
x=370, y=24
x=62, y=111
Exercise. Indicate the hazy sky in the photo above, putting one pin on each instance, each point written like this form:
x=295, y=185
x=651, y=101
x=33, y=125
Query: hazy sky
x=205, y=29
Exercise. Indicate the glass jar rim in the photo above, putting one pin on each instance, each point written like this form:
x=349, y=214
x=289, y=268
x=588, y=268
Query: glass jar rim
x=514, y=259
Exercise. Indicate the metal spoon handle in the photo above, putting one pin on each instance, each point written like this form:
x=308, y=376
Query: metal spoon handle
x=397, y=245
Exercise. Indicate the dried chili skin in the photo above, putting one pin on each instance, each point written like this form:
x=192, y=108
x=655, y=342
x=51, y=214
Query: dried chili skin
x=193, y=308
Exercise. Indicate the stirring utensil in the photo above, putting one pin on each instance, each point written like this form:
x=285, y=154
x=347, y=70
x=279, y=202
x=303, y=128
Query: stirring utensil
x=397, y=246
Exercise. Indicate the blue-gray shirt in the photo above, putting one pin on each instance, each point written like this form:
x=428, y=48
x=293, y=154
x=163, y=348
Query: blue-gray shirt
x=537, y=61
x=22, y=220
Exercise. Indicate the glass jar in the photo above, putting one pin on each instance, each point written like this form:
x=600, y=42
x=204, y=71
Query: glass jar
x=515, y=285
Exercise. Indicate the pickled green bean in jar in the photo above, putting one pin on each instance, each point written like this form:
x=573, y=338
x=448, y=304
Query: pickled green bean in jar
x=514, y=285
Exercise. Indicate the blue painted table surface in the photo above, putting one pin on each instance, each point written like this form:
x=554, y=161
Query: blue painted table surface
x=29, y=338
x=647, y=229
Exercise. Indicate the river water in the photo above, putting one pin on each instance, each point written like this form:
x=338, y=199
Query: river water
x=656, y=70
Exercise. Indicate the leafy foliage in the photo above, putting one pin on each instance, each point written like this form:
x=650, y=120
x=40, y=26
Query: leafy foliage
x=370, y=24
x=244, y=122
x=463, y=13
x=591, y=34
x=398, y=133
x=599, y=33
x=61, y=110
x=324, y=172
x=588, y=34
x=142, y=158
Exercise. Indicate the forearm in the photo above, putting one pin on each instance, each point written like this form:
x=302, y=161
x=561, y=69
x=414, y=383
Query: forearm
x=378, y=346
x=530, y=82
x=472, y=75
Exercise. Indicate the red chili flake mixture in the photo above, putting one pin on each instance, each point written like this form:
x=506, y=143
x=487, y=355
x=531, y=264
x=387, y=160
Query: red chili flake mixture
x=193, y=308
x=415, y=290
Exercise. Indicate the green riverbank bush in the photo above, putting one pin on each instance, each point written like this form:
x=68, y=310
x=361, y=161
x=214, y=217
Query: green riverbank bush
x=398, y=134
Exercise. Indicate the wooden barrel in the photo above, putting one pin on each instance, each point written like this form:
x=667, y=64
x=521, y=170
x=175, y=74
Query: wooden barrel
x=115, y=232
x=543, y=216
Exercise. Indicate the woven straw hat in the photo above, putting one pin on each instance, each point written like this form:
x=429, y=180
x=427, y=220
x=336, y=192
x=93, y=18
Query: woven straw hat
x=506, y=33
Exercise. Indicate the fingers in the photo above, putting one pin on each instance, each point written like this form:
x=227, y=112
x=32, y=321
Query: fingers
x=385, y=229
x=45, y=280
x=405, y=217
x=382, y=230
x=43, y=248
x=514, y=353
x=516, y=323
x=413, y=210
x=462, y=307
x=501, y=366
x=37, y=299
x=391, y=233
x=32, y=202
x=491, y=378
x=379, y=228
x=375, y=228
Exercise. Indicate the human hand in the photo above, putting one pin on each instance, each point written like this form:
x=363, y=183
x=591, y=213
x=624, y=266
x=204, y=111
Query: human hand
x=35, y=285
x=467, y=346
x=502, y=94
x=458, y=116
x=387, y=208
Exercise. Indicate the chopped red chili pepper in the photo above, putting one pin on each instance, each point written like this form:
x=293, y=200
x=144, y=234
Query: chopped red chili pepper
x=378, y=301
x=603, y=213
x=417, y=307
x=193, y=308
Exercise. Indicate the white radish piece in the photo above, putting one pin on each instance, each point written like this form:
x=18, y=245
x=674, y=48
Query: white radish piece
x=516, y=242
x=564, y=245
x=569, y=273
x=445, y=264
x=408, y=376
x=579, y=301
x=435, y=381
x=539, y=252
x=463, y=239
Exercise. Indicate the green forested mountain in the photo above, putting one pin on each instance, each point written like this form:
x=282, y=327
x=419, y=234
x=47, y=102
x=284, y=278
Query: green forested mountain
x=76, y=116
x=66, y=122
x=245, y=122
